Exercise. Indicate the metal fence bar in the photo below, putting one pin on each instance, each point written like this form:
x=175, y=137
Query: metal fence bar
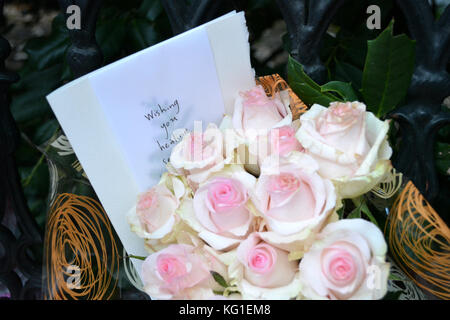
x=20, y=263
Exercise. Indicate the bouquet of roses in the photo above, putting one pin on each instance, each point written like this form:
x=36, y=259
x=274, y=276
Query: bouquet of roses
x=248, y=209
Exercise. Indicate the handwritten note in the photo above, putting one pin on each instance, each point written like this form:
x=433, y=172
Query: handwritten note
x=167, y=116
x=150, y=108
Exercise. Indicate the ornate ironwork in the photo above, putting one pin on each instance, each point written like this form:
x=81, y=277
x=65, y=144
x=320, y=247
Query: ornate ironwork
x=421, y=117
x=307, y=22
x=20, y=263
x=84, y=55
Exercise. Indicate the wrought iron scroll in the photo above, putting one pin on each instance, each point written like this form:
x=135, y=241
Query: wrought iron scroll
x=20, y=237
x=307, y=22
x=421, y=117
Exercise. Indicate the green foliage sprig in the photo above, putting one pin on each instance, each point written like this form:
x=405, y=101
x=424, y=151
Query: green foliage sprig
x=386, y=77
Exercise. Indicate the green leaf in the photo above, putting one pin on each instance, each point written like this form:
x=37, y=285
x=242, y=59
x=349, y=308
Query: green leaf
x=368, y=213
x=32, y=172
x=393, y=277
x=349, y=73
x=307, y=90
x=132, y=256
x=45, y=131
x=355, y=214
x=219, y=279
x=29, y=95
x=142, y=34
x=218, y=293
x=45, y=51
x=343, y=89
x=440, y=8
x=353, y=45
x=110, y=35
x=66, y=73
x=361, y=207
x=341, y=211
x=387, y=72
x=442, y=156
x=150, y=9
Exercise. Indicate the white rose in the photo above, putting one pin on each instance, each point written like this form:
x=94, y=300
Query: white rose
x=220, y=210
x=262, y=271
x=254, y=115
x=181, y=271
x=154, y=216
x=349, y=144
x=294, y=200
x=199, y=155
x=347, y=261
x=254, y=111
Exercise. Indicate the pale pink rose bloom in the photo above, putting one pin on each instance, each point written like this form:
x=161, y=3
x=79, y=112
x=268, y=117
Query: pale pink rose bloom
x=349, y=144
x=347, y=261
x=343, y=127
x=154, y=215
x=255, y=111
x=180, y=271
x=199, y=154
x=265, y=265
x=253, y=116
x=283, y=140
x=292, y=196
x=279, y=141
x=156, y=207
x=220, y=206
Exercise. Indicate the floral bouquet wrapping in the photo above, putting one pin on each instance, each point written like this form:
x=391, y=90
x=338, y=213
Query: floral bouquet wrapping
x=252, y=209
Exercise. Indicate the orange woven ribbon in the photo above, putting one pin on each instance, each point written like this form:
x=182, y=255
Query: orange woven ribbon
x=419, y=241
x=79, y=235
x=274, y=83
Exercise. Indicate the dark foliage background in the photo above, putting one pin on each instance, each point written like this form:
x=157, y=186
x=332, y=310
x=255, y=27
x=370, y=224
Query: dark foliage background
x=125, y=27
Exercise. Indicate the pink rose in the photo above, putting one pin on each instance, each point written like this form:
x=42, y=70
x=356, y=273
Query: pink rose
x=254, y=111
x=155, y=207
x=264, y=271
x=220, y=209
x=349, y=144
x=293, y=198
x=283, y=140
x=346, y=262
x=200, y=154
x=343, y=127
x=265, y=265
x=154, y=214
x=220, y=206
x=278, y=141
x=179, y=271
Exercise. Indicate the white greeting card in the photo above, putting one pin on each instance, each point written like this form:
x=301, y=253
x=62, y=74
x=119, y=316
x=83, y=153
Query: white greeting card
x=123, y=119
